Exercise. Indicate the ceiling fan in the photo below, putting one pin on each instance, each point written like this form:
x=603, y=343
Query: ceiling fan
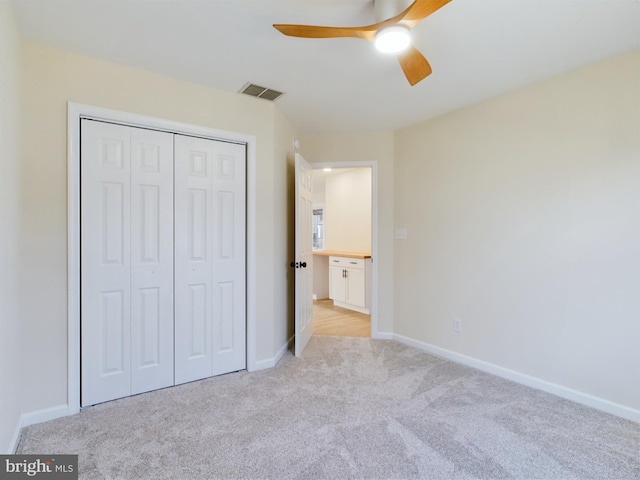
x=390, y=35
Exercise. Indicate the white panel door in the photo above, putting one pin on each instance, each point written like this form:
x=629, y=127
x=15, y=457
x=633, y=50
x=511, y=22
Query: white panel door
x=193, y=258
x=229, y=258
x=126, y=261
x=105, y=262
x=163, y=241
x=304, y=254
x=209, y=258
x=151, y=260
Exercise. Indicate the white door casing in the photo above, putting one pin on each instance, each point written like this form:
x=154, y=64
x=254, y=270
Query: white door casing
x=210, y=258
x=303, y=254
x=127, y=261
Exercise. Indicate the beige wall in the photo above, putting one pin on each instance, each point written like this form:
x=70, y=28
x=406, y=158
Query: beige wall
x=52, y=78
x=10, y=255
x=366, y=147
x=523, y=221
x=347, y=211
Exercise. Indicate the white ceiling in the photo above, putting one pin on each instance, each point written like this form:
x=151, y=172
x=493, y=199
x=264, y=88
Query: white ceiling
x=477, y=48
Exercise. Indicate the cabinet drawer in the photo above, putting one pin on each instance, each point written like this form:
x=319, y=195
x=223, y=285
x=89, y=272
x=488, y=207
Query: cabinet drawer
x=346, y=262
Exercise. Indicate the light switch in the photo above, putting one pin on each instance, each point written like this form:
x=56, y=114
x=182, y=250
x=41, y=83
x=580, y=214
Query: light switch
x=401, y=233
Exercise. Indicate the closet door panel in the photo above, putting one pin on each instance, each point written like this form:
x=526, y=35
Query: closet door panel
x=229, y=333
x=152, y=260
x=193, y=258
x=105, y=262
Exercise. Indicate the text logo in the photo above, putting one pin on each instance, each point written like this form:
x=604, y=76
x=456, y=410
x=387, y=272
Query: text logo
x=49, y=467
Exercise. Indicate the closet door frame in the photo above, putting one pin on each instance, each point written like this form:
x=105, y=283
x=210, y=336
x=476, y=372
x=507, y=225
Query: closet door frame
x=76, y=112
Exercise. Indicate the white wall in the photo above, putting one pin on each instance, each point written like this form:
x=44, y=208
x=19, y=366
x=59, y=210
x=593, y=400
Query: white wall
x=321, y=277
x=10, y=255
x=366, y=147
x=523, y=221
x=347, y=210
x=318, y=188
x=51, y=78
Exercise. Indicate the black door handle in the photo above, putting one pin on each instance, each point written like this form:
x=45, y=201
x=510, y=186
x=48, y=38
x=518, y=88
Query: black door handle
x=303, y=264
x=298, y=265
x=293, y=265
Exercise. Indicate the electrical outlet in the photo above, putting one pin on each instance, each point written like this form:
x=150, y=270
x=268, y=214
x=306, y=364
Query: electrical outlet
x=457, y=325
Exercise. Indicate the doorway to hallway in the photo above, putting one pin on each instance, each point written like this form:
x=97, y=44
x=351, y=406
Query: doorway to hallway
x=343, y=238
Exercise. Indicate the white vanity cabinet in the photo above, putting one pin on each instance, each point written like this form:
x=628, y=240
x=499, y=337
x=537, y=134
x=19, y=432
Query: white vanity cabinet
x=350, y=282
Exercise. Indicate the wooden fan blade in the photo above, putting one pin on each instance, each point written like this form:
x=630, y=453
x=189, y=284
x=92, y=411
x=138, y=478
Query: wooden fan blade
x=409, y=17
x=414, y=65
x=312, y=31
x=417, y=11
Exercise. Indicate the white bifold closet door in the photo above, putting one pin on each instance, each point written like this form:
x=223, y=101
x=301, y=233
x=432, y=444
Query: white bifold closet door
x=210, y=327
x=162, y=259
x=126, y=261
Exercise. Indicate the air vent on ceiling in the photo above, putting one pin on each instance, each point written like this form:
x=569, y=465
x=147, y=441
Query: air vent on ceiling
x=260, y=92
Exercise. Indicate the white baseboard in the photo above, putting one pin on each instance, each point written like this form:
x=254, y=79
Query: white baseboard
x=524, y=379
x=13, y=444
x=32, y=418
x=45, y=415
x=382, y=335
x=273, y=361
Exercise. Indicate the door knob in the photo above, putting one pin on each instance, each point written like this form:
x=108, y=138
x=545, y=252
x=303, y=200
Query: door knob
x=303, y=264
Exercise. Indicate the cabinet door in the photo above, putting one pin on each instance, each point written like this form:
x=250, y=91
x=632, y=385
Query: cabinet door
x=337, y=284
x=355, y=288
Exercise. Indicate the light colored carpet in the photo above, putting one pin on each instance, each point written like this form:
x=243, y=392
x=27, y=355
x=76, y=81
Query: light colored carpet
x=349, y=408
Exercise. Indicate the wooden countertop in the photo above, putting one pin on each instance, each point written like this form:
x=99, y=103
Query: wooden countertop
x=339, y=253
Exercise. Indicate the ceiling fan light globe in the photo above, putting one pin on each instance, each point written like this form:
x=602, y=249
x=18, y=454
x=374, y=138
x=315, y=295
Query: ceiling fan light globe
x=393, y=39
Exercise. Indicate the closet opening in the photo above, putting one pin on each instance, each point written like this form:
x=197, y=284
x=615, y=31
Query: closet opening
x=151, y=233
